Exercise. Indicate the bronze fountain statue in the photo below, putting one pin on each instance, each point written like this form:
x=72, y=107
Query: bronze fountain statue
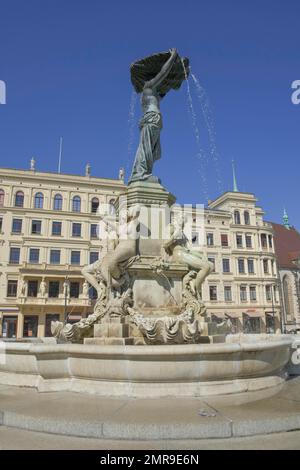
x=154, y=76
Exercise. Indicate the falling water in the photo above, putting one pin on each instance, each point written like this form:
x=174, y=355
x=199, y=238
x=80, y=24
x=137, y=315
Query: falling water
x=209, y=122
x=201, y=154
x=131, y=126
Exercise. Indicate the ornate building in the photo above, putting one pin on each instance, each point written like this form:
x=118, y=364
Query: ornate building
x=244, y=286
x=287, y=245
x=48, y=232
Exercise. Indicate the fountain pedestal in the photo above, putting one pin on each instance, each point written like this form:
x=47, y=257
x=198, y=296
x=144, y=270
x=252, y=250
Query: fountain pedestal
x=114, y=331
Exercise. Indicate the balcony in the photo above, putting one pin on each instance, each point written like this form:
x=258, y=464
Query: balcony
x=56, y=301
x=48, y=269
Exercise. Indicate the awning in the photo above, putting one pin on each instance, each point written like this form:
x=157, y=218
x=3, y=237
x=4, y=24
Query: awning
x=234, y=314
x=254, y=314
x=218, y=314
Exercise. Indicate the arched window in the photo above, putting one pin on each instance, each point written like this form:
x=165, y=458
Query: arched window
x=57, y=202
x=39, y=201
x=1, y=198
x=288, y=296
x=237, y=218
x=94, y=205
x=247, y=218
x=111, y=207
x=76, y=204
x=19, y=199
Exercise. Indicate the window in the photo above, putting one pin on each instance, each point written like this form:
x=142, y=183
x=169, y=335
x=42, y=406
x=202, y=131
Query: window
x=253, y=297
x=263, y=239
x=270, y=238
x=39, y=201
x=237, y=218
x=195, y=238
x=36, y=227
x=1, y=198
x=241, y=265
x=93, y=294
x=74, y=290
x=76, y=204
x=239, y=241
x=30, y=326
x=16, y=226
x=94, y=231
x=56, y=228
x=14, y=256
x=243, y=293
x=32, y=289
x=247, y=218
x=57, y=202
x=54, y=256
x=75, y=257
x=250, y=266
x=266, y=266
x=1, y=224
x=226, y=265
x=224, y=239
x=269, y=293
x=53, y=288
x=213, y=261
x=19, y=199
x=50, y=317
x=94, y=205
x=34, y=255
x=210, y=239
x=94, y=256
x=248, y=241
x=213, y=293
x=227, y=294
x=76, y=230
x=9, y=327
x=12, y=288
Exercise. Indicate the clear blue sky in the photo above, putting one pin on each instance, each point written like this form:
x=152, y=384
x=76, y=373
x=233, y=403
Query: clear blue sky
x=66, y=66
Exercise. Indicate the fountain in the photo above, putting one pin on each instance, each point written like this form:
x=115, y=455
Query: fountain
x=149, y=334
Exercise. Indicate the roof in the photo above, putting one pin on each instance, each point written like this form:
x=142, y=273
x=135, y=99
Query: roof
x=240, y=196
x=64, y=177
x=287, y=245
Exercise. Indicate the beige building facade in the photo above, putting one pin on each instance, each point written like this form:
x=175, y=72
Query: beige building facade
x=244, y=286
x=48, y=232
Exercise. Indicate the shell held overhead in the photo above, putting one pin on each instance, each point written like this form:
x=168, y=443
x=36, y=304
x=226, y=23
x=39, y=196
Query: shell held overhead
x=145, y=69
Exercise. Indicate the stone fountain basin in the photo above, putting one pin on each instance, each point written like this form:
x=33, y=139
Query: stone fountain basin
x=242, y=364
